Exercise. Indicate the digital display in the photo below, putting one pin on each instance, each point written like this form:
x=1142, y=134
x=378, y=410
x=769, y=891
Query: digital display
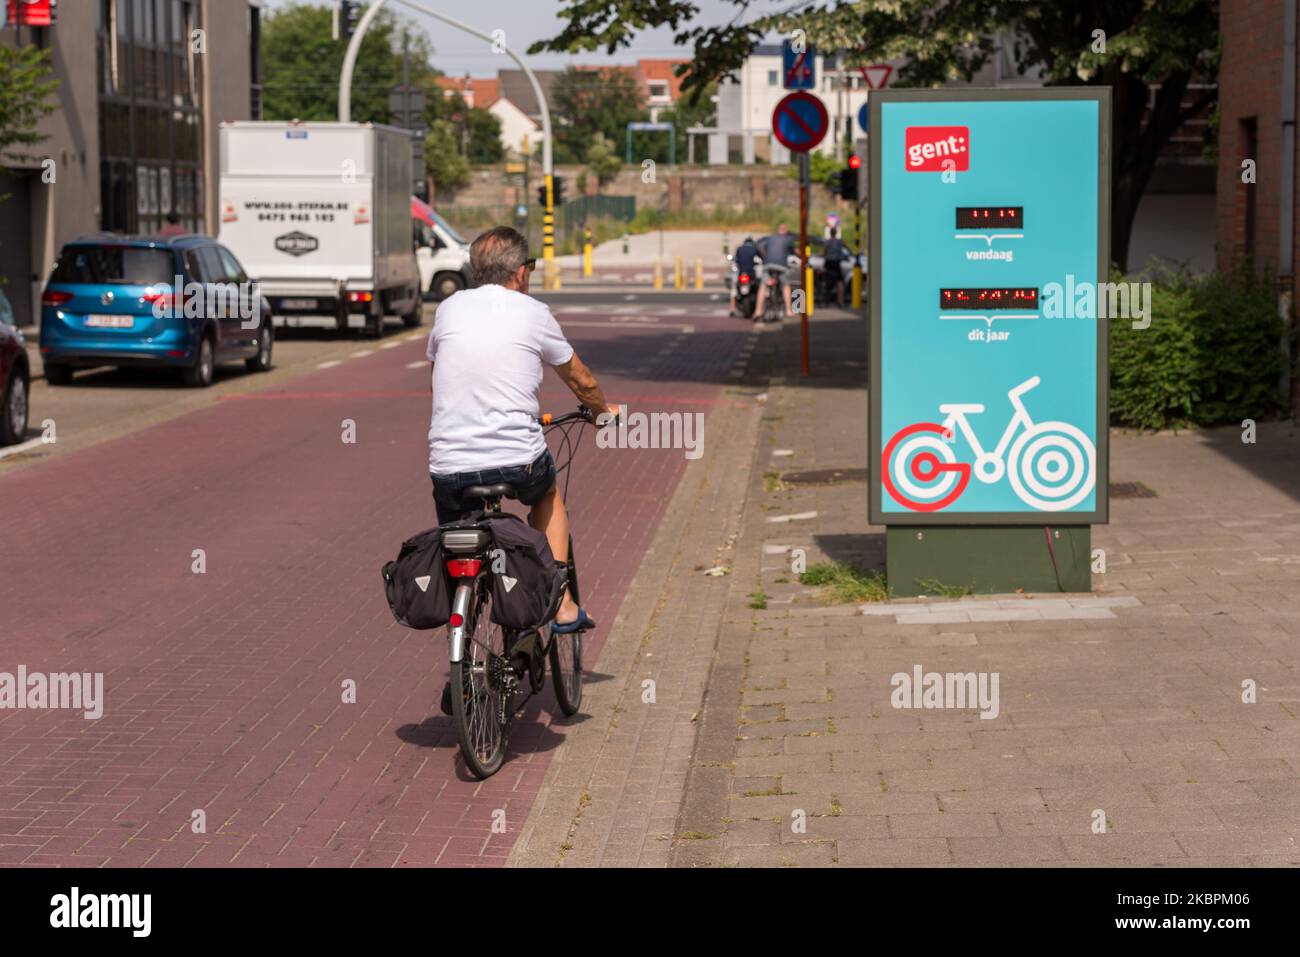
x=998, y=297
x=983, y=217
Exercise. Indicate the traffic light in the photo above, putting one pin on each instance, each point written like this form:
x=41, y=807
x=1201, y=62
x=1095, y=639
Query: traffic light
x=849, y=178
x=541, y=196
x=559, y=189
x=349, y=14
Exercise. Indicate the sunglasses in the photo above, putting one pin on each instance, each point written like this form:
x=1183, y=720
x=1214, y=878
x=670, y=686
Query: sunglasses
x=530, y=264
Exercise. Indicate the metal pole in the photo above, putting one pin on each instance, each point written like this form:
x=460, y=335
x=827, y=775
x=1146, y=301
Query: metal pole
x=350, y=60
x=805, y=167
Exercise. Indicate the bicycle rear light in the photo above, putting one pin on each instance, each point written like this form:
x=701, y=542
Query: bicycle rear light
x=456, y=619
x=464, y=567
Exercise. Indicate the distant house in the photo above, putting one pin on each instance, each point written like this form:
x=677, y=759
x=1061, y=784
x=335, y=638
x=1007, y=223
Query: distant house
x=659, y=86
x=520, y=131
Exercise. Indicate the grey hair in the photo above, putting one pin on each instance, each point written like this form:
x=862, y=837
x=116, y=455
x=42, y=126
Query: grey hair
x=497, y=255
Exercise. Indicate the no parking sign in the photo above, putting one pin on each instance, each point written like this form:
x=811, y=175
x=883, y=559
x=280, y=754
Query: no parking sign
x=799, y=122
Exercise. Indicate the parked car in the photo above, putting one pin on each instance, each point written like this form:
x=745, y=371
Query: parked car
x=15, y=377
x=111, y=300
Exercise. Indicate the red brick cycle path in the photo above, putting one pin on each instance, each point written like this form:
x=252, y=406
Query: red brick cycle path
x=224, y=690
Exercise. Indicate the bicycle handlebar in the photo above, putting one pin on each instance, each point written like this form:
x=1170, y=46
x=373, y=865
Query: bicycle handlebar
x=584, y=414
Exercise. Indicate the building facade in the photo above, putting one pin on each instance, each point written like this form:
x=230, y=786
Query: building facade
x=143, y=87
x=1257, y=103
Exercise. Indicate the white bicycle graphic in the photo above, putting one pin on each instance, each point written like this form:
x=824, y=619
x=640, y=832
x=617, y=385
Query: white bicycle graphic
x=1052, y=466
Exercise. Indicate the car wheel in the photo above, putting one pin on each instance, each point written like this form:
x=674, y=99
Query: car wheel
x=13, y=414
x=57, y=375
x=415, y=317
x=265, y=343
x=447, y=284
x=375, y=325
x=199, y=375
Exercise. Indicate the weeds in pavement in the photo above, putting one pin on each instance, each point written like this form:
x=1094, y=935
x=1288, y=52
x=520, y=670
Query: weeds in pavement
x=932, y=586
x=758, y=598
x=772, y=482
x=842, y=583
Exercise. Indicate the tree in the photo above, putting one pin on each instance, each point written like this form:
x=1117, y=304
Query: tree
x=1145, y=50
x=602, y=159
x=701, y=110
x=302, y=63
x=590, y=101
x=25, y=91
x=443, y=158
x=484, y=137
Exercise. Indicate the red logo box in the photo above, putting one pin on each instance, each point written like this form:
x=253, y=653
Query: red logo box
x=929, y=148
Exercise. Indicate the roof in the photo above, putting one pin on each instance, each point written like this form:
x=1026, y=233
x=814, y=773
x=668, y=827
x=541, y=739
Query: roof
x=660, y=70
x=479, y=91
x=513, y=85
x=138, y=239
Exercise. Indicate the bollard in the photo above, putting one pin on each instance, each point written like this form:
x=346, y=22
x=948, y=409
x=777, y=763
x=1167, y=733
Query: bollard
x=726, y=245
x=625, y=244
x=807, y=285
x=586, y=251
x=678, y=282
x=659, y=273
x=857, y=286
x=699, y=273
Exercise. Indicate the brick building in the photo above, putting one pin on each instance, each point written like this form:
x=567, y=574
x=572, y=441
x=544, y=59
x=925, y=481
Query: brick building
x=1253, y=95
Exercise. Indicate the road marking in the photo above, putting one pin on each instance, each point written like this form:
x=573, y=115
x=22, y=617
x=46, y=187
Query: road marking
x=782, y=453
x=417, y=365
x=615, y=324
x=630, y=296
x=413, y=336
x=330, y=365
x=362, y=354
x=797, y=517
x=392, y=345
x=561, y=310
x=22, y=446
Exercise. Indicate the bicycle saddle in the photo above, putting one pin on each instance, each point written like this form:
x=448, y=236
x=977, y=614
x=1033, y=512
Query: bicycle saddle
x=500, y=490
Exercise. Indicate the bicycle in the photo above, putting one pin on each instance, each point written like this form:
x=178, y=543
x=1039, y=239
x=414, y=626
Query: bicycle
x=489, y=664
x=1052, y=466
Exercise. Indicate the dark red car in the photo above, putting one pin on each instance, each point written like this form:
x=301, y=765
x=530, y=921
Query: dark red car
x=15, y=377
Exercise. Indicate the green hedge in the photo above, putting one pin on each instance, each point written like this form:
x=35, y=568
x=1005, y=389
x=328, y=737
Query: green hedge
x=1211, y=355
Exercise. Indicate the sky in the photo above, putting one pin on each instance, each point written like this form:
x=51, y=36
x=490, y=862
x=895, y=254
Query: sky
x=528, y=20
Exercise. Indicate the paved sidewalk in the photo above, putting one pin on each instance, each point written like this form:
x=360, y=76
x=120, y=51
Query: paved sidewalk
x=1121, y=737
x=1125, y=704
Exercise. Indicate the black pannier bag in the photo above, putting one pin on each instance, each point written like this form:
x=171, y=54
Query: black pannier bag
x=416, y=582
x=527, y=582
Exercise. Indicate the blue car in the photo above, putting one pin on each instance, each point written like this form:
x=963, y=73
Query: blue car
x=181, y=302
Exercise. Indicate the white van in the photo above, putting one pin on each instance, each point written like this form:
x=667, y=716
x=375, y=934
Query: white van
x=319, y=214
x=441, y=252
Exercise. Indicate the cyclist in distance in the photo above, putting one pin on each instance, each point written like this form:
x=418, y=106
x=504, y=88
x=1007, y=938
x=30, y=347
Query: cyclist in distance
x=488, y=347
x=776, y=250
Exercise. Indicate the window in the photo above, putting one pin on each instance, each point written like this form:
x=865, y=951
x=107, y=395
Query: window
x=233, y=271
x=134, y=265
x=772, y=77
x=658, y=90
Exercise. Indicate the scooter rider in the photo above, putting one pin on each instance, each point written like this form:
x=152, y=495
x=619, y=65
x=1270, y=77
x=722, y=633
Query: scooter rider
x=746, y=254
x=836, y=252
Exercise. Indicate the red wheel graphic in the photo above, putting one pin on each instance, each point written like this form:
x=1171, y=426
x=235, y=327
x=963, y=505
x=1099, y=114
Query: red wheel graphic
x=936, y=462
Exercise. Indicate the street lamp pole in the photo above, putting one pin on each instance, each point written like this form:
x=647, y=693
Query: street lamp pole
x=498, y=43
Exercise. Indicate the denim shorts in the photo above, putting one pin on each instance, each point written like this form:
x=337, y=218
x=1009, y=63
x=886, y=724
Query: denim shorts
x=531, y=482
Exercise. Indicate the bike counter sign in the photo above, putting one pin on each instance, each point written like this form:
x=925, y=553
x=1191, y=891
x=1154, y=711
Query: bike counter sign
x=984, y=408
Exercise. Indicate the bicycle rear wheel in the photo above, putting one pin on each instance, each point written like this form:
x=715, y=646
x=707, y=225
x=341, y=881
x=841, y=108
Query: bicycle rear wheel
x=566, y=654
x=482, y=708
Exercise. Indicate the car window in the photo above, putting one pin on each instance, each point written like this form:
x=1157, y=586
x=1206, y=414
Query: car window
x=234, y=271
x=446, y=228
x=102, y=264
x=193, y=266
x=210, y=263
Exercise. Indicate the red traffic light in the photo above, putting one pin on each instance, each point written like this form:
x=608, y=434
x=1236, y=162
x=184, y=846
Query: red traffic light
x=855, y=161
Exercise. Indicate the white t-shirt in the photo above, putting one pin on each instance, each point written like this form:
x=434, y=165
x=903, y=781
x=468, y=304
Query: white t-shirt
x=487, y=348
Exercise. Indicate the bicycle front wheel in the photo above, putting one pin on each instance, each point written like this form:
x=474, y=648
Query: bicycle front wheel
x=481, y=710
x=566, y=654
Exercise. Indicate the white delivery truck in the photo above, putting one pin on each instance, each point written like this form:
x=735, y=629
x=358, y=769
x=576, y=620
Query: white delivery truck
x=320, y=214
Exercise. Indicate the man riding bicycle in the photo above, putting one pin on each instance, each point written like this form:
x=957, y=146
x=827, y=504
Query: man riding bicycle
x=776, y=250
x=488, y=347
